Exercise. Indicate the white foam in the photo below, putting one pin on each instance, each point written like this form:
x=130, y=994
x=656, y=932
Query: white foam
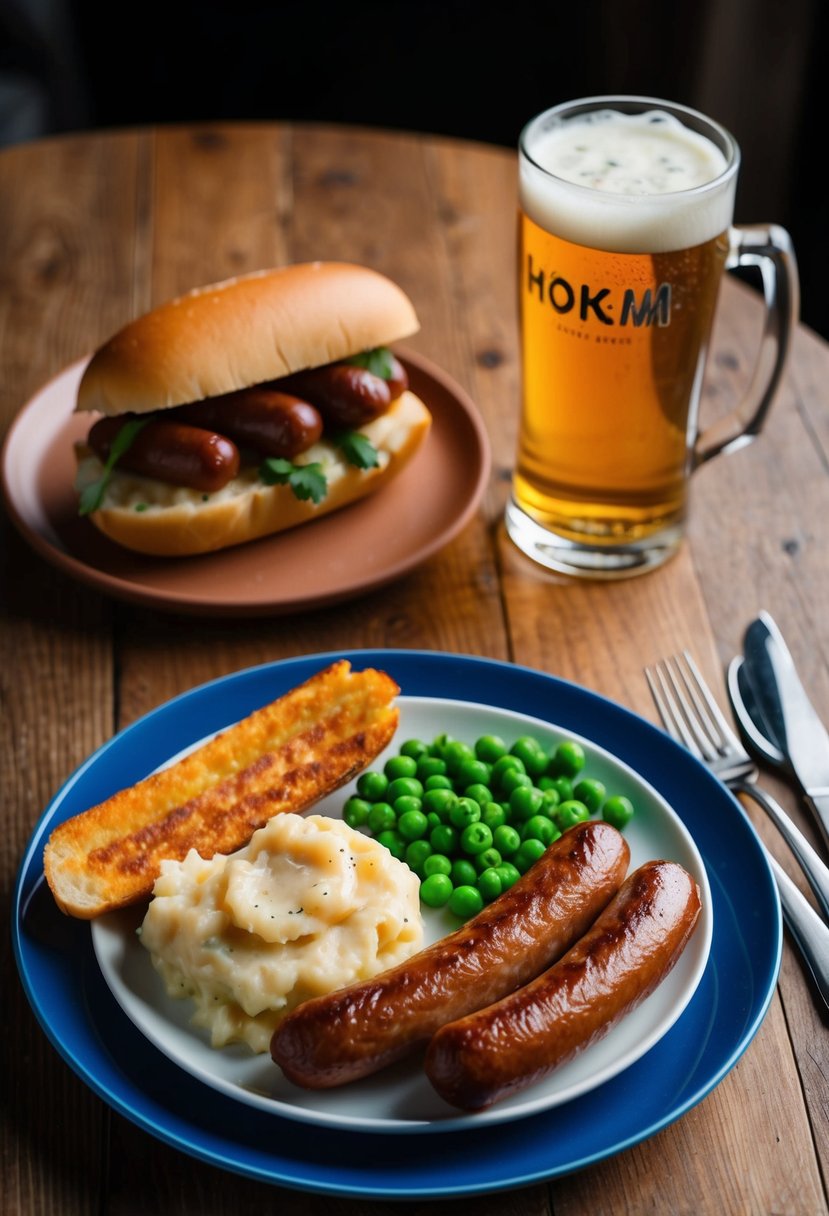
x=628, y=183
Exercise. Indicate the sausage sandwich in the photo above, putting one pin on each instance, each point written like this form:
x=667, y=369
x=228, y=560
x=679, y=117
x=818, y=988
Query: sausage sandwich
x=247, y=407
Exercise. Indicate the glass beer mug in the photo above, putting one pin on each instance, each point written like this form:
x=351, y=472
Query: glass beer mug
x=625, y=230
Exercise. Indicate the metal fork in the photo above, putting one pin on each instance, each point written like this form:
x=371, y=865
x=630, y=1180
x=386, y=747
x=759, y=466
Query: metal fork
x=692, y=717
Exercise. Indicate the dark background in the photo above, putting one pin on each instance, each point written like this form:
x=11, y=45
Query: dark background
x=475, y=70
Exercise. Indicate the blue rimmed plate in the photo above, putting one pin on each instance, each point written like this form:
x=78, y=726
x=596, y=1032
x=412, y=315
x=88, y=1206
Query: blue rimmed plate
x=95, y=1035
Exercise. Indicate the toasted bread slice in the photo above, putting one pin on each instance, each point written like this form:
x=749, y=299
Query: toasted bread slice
x=283, y=757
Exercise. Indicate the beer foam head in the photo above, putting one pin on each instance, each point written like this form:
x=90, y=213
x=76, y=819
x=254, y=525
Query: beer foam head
x=639, y=182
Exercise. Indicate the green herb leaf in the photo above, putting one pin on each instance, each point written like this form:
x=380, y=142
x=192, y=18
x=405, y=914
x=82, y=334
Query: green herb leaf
x=93, y=494
x=306, y=480
x=358, y=450
x=378, y=361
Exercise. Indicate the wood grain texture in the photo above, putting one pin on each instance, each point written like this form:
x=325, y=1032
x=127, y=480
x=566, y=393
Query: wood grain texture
x=96, y=229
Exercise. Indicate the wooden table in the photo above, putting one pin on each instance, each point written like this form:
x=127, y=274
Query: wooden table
x=96, y=228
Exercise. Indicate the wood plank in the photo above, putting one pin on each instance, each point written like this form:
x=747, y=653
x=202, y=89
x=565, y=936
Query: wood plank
x=66, y=272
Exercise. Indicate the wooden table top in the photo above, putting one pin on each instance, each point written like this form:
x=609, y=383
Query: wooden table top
x=97, y=228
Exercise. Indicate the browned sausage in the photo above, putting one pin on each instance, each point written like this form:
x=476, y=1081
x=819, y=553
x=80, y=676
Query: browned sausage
x=172, y=452
x=270, y=422
x=345, y=395
x=632, y=946
x=358, y=1030
x=398, y=381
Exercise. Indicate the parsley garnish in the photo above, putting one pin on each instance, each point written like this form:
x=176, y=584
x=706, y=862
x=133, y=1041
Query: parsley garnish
x=306, y=480
x=357, y=449
x=378, y=361
x=93, y=494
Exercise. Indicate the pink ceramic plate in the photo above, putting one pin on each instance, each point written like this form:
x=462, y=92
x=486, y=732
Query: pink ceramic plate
x=336, y=557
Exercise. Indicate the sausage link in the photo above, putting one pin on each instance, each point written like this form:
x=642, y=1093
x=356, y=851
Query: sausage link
x=173, y=452
x=630, y=949
x=398, y=381
x=270, y=422
x=345, y=395
x=333, y=1039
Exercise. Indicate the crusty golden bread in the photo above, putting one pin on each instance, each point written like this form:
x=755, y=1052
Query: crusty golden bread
x=244, y=331
x=171, y=521
x=283, y=757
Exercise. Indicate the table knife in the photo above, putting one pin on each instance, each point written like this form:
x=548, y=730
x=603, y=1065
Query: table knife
x=785, y=705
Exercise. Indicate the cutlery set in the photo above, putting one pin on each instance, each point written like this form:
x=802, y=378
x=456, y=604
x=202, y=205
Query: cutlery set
x=781, y=729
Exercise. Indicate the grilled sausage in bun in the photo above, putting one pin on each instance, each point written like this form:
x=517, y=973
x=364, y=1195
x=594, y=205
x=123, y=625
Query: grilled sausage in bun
x=247, y=407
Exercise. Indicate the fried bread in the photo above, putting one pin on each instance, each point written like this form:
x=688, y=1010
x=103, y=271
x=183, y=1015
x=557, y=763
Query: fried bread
x=282, y=757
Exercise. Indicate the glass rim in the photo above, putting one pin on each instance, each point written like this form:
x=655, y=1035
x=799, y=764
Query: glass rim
x=635, y=103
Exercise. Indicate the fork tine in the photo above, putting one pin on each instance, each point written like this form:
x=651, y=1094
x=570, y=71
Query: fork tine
x=694, y=706
x=727, y=735
x=696, y=725
x=669, y=711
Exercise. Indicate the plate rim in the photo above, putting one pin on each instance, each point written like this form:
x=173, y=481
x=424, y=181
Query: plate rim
x=124, y=589
x=241, y=1158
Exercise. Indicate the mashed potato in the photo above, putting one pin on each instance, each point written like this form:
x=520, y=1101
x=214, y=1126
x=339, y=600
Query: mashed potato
x=309, y=905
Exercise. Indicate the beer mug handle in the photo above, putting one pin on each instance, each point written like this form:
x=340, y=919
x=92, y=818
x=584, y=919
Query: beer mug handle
x=769, y=248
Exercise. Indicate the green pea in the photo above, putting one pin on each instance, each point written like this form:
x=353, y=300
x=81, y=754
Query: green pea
x=400, y=787
x=568, y=759
x=394, y=842
x=570, y=813
x=444, y=839
x=372, y=785
x=525, y=801
x=513, y=778
x=509, y=874
x=418, y=853
x=481, y=794
x=429, y=767
x=531, y=754
x=381, y=817
x=464, y=812
x=436, y=890
x=490, y=884
x=439, y=745
x=437, y=863
x=464, y=873
x=356, y=811
x=415, y=748
x=493, y=815
x=506, y=839
x=618, y=811
x=503, y=766
x=551, y=799
x=473, y=772
x=486, y=860
x=528, y=855
x=591, y=792
x=475, y=838
x=441, y=801
x=400, y=766
x=437, y=781
x=465, y=901
x=455, y=754
x=540, y=828
x=490, y=748
x=406, y=803
x=413, y=824
x=563, y=786
x=433, y=819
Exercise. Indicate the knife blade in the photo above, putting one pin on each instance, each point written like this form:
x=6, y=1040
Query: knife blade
x=784, y=703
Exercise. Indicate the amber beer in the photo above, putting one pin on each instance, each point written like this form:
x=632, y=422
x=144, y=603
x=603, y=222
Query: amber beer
x=622, y=243
x=612, y=346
